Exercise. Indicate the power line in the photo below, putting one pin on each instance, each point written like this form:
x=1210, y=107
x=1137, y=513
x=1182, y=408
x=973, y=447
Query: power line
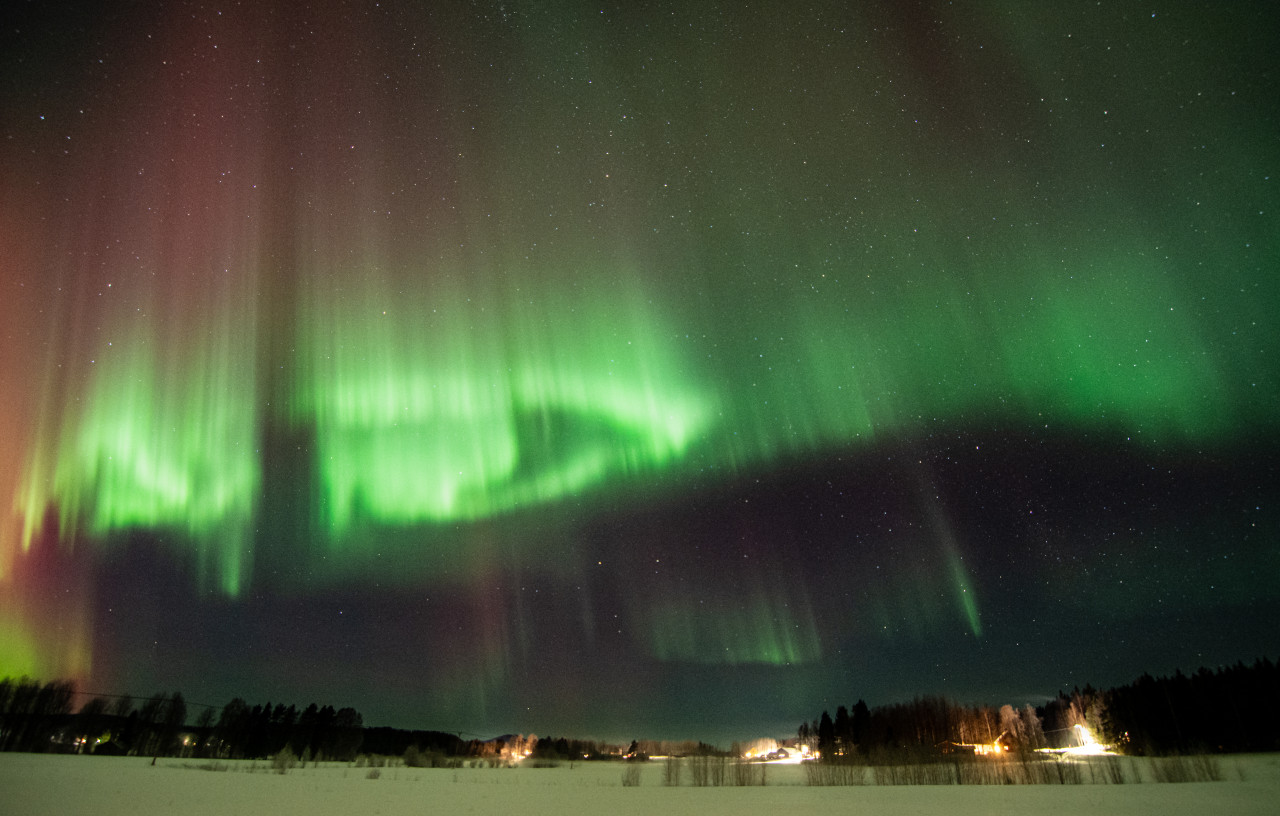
x=105, y=695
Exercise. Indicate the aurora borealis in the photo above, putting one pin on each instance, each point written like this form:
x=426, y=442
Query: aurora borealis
x=675, y=369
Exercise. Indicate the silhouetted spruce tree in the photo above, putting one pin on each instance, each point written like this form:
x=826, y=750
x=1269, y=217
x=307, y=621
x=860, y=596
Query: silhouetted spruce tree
x=305, y=734
x=232, y=729
x=259, y=731
x=860, y=724
x=348, y=734
x=826, y=737
x=322, y=742
x=842, y=731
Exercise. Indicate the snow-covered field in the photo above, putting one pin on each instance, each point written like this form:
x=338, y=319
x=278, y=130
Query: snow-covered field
x=34, y=784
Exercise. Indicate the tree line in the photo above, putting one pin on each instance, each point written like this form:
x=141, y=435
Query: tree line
x=922, y=727
x=316, y=732
x=40, y=717
x=1231, y=709
x=37, y=717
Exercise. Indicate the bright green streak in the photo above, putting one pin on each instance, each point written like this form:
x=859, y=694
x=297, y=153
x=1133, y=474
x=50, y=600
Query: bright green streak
x=442, y=409
x=165, y=441
x=965, y=594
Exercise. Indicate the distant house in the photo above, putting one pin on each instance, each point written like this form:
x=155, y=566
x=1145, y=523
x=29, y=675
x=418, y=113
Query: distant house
x=999, y=745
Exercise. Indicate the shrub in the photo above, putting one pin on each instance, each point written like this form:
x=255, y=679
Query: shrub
x=719, y=770
x=829, y=773
x=671, y=772
x=748, y=773
x=1199, y=768
x=542, y=763
x=699, y=767
x=631, y=775
x=284, y=761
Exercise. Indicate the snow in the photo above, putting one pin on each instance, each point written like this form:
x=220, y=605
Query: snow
x=34, y=784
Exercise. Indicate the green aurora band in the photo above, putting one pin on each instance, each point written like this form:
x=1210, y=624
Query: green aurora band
x=770, y=291
x=471, y=411
x=437, y=410
x=439, y=414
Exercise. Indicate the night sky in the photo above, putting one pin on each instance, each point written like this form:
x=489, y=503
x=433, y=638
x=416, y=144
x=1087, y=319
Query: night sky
x=637, y=369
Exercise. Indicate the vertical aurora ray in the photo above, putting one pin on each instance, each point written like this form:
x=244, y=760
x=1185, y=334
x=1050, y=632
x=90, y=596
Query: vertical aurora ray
x=743, y=627
x=436, y=406
x=151, y=424
x=138, y=270
x=750, y=608
x=1114, y=345
x=965, y=591
x=167, y=445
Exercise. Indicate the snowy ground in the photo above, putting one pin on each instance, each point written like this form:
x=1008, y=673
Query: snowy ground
x=35, y=784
